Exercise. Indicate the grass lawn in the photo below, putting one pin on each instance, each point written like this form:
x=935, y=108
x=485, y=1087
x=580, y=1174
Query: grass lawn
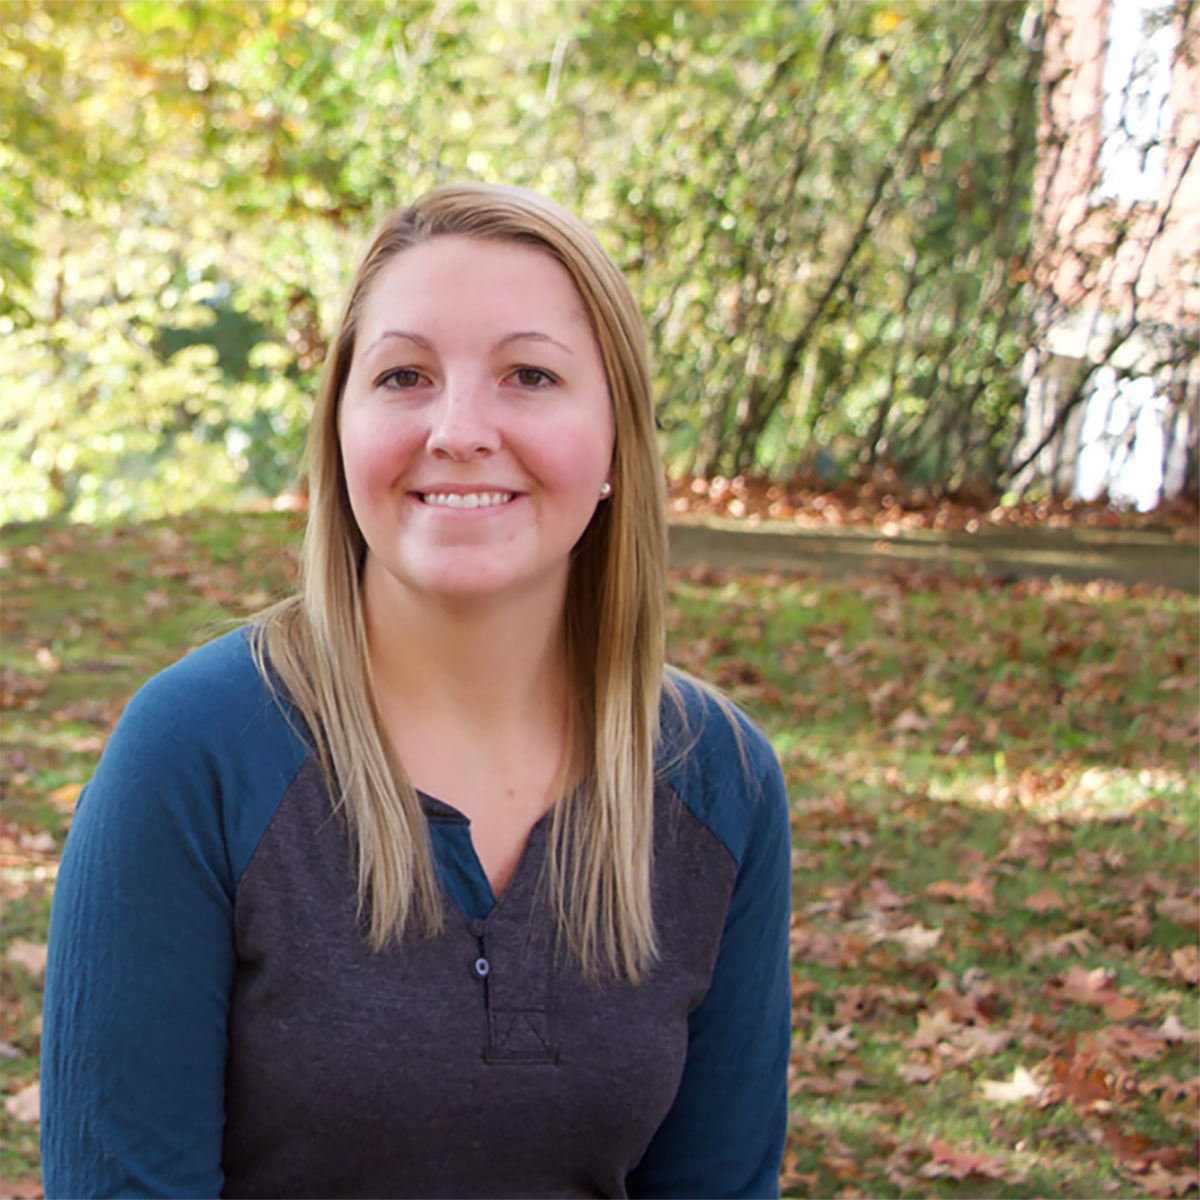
x=996, y=841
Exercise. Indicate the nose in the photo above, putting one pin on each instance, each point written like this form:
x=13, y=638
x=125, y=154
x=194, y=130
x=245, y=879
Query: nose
x=463, y=425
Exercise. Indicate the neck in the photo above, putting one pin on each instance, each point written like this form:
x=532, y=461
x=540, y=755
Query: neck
x=484, y=663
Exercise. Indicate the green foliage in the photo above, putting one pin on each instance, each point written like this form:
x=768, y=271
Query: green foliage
x=822, y=206
x=836, y=220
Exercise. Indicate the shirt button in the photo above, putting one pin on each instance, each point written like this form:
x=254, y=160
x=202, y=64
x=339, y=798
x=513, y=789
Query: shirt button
x=482, y=968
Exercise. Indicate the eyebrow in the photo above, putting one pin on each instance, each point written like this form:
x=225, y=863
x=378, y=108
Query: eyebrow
x=529, y=335
x=517, y=336
x=399, y=333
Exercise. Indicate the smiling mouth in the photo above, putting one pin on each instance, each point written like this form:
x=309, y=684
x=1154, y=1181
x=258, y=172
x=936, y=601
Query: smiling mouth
x=465, y=499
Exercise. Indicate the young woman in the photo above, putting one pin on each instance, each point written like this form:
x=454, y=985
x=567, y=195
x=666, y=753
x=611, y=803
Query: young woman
x=432, y=882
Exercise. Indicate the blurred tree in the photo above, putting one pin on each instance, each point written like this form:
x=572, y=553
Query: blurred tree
x=824, y=208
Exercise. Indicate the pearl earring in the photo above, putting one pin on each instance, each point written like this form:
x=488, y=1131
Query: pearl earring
x=605, y=490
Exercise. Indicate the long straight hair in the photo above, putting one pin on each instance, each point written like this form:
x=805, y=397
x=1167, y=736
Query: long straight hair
x=599, y=861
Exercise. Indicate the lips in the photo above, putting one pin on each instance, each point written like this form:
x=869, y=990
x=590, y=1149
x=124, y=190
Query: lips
x=465, y=500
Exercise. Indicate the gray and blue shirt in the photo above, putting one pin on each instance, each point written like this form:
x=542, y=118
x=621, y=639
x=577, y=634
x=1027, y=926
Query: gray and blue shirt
x=215, y=1024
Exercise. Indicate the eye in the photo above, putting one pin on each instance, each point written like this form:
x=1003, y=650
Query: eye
x=400, y=378
x=533, y=377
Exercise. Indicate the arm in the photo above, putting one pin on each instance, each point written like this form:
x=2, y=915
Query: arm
x=725, y=1132
x=142, y=951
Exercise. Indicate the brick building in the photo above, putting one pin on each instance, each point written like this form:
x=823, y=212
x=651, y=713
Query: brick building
x=1115, y=379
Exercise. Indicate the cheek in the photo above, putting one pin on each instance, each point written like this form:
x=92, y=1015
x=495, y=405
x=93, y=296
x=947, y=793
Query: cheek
x=372, y=455
x=574, y=470
x=579, y=458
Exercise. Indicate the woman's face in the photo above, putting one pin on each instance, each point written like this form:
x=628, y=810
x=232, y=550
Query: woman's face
x=476, y=426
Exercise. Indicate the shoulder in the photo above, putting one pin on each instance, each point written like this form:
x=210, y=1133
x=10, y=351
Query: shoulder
x=214, y=696
x=204, y=744
x=218, y=670
x=718, y=762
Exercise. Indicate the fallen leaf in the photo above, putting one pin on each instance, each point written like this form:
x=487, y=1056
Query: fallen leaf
x=909, y=722
x=983, y=1041
x=917, y=1072
x=1186, y=962
x=65, y=796
x=1078, y=1079
x=1132, y=1045
x=959, y=1165
x=1079, y=941
x=1174, y=1030
x=1047, y=900
x=1126, y=1146
x=1183, y=910
x=29, y=955
x=1121, y=1008
x=932, y=1028
x=253, y=601
x=879, y=895
x=26, y=1105
x=47, y=659
x=936, y=706
x=1159, y=1183
x=917, y=940
x=1078, y=985
x=1021, y=1087
x=20, y=1189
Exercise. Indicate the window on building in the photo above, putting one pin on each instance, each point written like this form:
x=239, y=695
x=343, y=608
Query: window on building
x=1137, y=87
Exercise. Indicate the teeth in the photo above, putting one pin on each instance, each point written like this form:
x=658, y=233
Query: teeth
x=466, y=499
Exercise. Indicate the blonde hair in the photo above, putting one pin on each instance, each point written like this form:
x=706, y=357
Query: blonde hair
x=601, y=835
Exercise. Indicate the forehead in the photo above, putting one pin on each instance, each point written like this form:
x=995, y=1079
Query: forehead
x=473, y=278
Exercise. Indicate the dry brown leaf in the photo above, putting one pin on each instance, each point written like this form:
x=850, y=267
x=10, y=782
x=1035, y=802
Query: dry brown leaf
x=879, y=895
x=958, y=1164
x=1183, y=910
x=909, y=722
x=26, y=1105
x=1122, y=1008
x=981, y=1040
x=1047, y=900
x=29, y=955
x=1174, y=1030
x=65, y=796
x=1078, y=1079
x=1079, y=941
x=1131, y=1045
x=935, y=705
x=1186, y=964
x=47, y=659
x=1160, y=1183
x=917, y=940
x=932, y=1028
x=1081, y=986
x=20, y=1189
x=1126, y=1146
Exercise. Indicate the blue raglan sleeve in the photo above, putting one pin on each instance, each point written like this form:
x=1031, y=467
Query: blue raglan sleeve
x=142, y=950
x=724, y=1134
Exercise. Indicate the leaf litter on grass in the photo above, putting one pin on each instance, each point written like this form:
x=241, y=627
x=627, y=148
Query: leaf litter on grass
x=994, y=811
x=995, y=818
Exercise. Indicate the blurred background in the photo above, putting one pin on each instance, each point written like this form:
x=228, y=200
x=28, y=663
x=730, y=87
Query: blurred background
x=954, y=246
